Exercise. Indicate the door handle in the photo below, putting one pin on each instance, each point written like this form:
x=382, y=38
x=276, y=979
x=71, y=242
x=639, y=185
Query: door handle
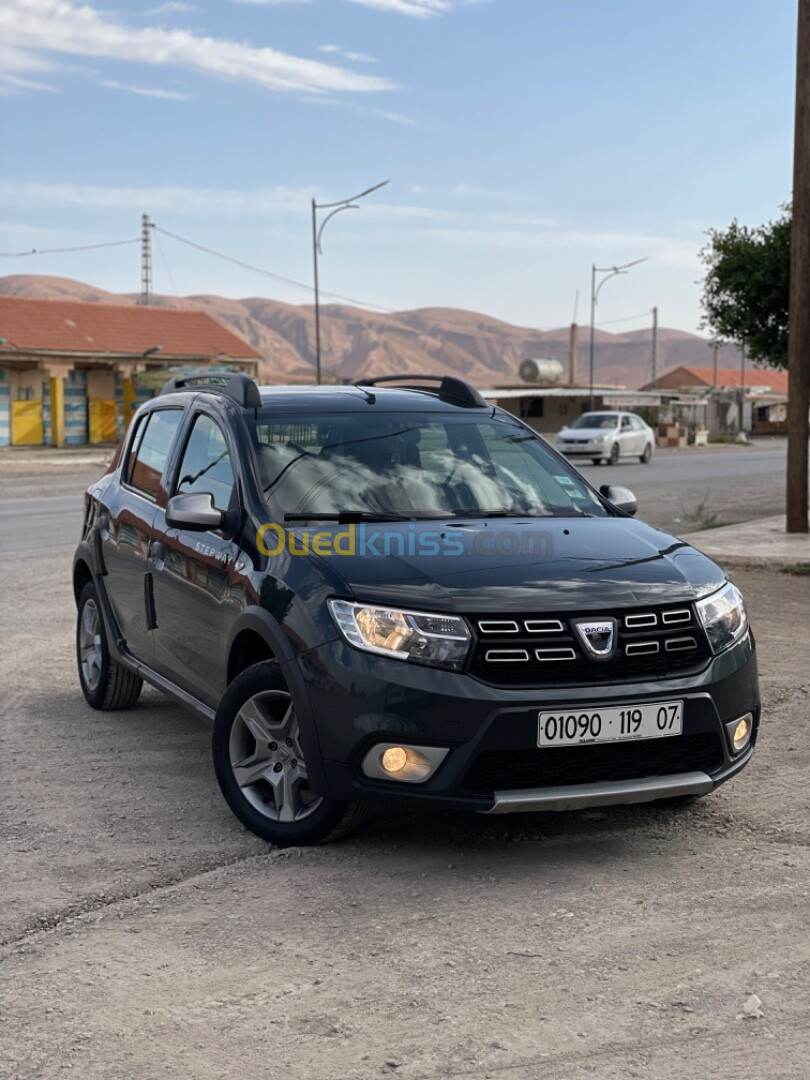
x=157, y=552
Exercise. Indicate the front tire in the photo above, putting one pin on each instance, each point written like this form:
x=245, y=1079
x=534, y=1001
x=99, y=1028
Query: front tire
x=105, y=683
x=261, y=769
x=614, y=454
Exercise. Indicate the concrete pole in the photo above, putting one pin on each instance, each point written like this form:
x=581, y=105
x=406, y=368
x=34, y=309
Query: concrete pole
x=573, y=350
x=799, y=323
x=655, y=349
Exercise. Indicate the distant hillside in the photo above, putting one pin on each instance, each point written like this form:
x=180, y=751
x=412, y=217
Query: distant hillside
x=356, y=342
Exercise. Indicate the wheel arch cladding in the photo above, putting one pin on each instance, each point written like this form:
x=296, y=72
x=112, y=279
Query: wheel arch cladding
x=82, y=575
x=249, y=647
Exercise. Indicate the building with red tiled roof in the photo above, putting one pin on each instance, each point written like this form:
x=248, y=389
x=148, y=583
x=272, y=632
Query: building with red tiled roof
x=72, y=372
x=761, y=410
x=766, y=380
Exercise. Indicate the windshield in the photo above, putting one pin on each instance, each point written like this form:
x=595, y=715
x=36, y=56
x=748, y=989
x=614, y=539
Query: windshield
x=596, y=420
x=411, y=464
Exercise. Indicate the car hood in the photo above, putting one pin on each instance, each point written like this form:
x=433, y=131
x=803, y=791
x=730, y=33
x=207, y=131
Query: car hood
x=558, y=564
x=585, y=433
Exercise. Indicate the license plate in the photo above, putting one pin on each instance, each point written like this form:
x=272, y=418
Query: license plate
x=619, y=723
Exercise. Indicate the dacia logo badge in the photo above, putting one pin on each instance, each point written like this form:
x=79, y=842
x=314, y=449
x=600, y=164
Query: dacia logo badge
x=598, y=637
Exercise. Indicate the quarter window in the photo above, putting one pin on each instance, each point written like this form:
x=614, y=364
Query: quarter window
x=206, y=465
x=150, y=449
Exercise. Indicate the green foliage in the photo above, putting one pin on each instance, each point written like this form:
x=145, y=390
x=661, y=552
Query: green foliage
x=746, y=291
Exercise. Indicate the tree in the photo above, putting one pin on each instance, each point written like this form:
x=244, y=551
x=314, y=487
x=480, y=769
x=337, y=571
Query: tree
x=746, y=293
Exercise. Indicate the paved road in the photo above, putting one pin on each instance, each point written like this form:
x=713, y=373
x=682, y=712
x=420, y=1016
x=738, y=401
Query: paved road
x=677, y=492
x=36, y=523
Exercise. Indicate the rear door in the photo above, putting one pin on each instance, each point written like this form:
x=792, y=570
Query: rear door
x=195, y=581
x=128, y=519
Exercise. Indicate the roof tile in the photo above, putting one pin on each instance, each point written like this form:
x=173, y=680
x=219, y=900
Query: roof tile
x=125, y=329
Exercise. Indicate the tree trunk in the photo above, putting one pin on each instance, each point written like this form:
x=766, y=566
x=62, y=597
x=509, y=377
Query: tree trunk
x=799, y=325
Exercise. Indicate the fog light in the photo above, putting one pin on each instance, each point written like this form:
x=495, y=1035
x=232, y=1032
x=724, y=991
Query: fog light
x=739, y=732
x=408, y=764
x=394, y=759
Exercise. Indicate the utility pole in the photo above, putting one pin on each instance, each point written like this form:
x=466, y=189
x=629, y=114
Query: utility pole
x=655, y=349
x=799, y=321
x=146, y=260
x=317, y=294
x=715, y=361
x=573, y=350
x=742, y=387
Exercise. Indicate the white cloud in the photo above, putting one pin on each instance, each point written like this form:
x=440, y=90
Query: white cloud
x=172, y=7
x=462, y=230
x=31, y=28
x=418, y=9
x=16, y=84
x=144, y=91
x=176, y=200
x=471, y=191
x=356, y=57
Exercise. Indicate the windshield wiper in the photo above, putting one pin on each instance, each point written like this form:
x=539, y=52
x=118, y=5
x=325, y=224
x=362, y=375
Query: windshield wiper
x=571, y=511
x=472, y=512
x=349, y=517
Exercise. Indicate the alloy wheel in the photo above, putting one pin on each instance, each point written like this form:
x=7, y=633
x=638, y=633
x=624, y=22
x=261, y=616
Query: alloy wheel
x=90, y=645
x=266, y=758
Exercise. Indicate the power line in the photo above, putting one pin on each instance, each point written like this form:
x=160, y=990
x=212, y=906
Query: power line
x=268, y=273
x=627, y=318
x=67, y=250
x=166, y=266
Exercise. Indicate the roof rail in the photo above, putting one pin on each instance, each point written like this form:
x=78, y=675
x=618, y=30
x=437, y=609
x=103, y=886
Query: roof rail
x=241, y=388
x=452, y=390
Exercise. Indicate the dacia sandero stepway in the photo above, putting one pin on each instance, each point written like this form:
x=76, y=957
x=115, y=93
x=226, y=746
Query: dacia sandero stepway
x=396, y=593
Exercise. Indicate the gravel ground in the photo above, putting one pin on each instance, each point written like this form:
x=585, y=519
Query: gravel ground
x=145, y=935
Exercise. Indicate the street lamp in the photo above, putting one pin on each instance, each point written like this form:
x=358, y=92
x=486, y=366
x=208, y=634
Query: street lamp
x=610, y=271
x=317, y=232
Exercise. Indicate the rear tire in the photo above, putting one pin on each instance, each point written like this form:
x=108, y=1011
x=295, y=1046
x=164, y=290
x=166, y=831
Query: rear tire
x=614, y=454
x=105, y=683
x=646, y=457
x=260, y=766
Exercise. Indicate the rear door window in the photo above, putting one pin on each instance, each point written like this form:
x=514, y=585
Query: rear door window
x=150, y=450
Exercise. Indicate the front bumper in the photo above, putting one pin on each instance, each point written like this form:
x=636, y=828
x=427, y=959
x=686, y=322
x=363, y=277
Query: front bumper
x=583, y=449
x=352, y=700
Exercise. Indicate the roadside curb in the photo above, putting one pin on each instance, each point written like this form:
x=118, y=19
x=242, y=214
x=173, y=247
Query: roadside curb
x=755, y=544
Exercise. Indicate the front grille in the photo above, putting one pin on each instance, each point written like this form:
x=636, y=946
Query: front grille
x=543, y=649
x=504, y=770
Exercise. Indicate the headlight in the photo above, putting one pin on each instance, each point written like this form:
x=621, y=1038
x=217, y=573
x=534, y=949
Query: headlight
x=723, y=616
x=437, y=640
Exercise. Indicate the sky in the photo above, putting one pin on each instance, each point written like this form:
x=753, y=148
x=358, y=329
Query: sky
x=524, y=141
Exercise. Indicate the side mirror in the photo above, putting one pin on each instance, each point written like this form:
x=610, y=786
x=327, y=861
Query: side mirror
x=195, y=511
x=620, y=497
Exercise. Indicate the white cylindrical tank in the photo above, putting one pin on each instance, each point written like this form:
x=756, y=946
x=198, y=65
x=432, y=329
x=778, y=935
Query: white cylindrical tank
x=540, y=370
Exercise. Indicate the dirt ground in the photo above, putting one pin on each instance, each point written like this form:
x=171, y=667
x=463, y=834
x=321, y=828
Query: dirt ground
x=145, y=935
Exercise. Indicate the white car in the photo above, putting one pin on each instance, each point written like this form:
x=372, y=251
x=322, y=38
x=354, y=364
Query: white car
x=607, y=436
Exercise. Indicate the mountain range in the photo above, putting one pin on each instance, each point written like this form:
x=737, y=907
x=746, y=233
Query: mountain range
x=356, y=342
